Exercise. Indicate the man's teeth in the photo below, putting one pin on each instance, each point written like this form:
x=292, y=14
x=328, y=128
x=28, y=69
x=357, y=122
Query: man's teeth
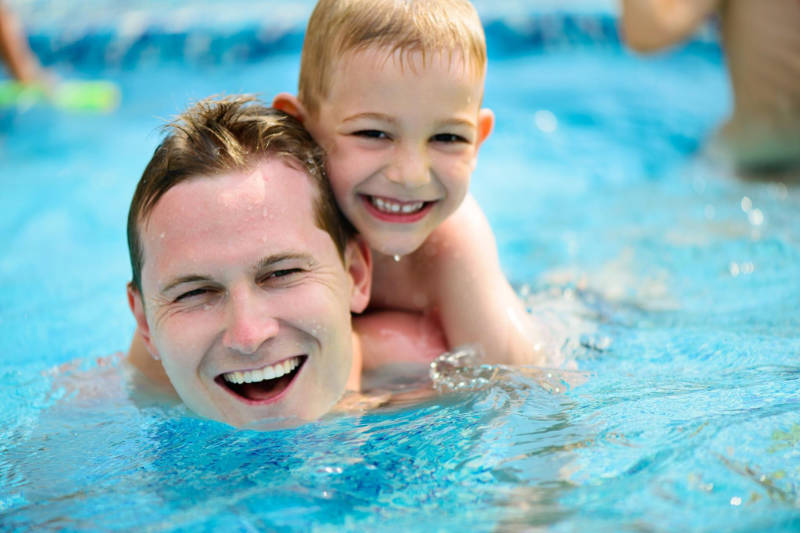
x=388, y=206
x=268, y=372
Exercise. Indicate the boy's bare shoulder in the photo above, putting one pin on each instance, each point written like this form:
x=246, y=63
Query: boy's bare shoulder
x=464, y=237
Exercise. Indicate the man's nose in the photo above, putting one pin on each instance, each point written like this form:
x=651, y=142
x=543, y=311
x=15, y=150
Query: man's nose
x=249, y=323
x=410, y=166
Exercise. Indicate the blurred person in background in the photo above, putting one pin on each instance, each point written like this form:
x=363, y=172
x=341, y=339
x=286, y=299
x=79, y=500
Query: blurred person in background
x=761, y=41
x=17, y=56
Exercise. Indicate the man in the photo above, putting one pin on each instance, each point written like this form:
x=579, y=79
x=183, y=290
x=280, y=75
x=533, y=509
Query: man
x=245, y=273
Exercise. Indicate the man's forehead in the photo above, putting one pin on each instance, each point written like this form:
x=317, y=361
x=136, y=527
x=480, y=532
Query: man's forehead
x=268, y=207
x=271, y=183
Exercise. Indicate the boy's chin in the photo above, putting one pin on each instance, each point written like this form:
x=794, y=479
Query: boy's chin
x=397, y=248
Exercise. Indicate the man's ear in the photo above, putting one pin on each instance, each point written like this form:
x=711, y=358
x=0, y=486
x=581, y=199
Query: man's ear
x=142, y=328
x=358, y=262
x=289, y=104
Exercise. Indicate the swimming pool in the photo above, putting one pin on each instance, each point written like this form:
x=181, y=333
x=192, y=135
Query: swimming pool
x=604, y=214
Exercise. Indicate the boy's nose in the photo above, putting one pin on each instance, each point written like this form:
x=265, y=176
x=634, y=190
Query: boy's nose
x=410, y=168
x=249, y=325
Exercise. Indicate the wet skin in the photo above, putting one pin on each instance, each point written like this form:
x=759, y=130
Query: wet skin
x=239, y=284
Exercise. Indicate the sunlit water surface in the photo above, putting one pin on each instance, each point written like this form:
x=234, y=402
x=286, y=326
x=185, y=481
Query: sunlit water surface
x=677, y=285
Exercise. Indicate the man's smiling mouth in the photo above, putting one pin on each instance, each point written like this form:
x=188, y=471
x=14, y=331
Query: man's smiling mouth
x=263, y=385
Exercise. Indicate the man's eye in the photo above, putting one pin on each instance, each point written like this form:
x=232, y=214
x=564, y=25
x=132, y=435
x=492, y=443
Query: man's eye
x=448, y=138
x=283, y=273
x=371, y=134
x=191, y=294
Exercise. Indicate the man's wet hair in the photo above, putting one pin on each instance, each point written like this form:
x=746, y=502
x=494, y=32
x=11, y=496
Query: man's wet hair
x=228, y=134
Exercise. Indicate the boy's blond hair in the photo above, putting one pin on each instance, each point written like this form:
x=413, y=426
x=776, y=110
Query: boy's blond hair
x=426, y=26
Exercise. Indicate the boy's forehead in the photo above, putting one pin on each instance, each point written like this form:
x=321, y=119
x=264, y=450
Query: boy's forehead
x=380, y=78
x=411, y=60
x=354, y=74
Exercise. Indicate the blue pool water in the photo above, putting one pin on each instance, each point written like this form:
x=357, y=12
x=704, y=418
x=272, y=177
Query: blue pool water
x=675, y=282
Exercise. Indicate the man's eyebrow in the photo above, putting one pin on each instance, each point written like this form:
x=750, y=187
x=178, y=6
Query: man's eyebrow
x=190, y=278
x=268, y=262
x=264, y=263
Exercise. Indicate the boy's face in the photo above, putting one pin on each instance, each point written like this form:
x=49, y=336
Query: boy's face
x=402, y=140
x=241, y=285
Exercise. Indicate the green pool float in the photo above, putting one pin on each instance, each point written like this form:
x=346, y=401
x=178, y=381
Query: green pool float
x=72, y=95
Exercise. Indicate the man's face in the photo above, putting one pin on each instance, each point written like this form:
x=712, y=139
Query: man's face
x=402, y=138
x=246, y=301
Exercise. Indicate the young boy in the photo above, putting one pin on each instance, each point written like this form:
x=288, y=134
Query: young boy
x=392, y=90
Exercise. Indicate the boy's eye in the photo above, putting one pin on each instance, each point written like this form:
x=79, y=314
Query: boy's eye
x=448, y=138
x=371, y=134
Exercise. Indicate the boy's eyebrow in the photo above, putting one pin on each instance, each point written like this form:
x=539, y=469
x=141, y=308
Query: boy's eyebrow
x=376, y=116
x=387, y=118
x=263, y=264
x=457, y=122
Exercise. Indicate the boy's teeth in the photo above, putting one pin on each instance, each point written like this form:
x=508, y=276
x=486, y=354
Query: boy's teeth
x=268, y=372
x=388, y=206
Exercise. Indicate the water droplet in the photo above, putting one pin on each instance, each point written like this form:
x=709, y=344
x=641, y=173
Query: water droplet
x=397, y=258
x=545, y=120
x=736, y=501
x=756, y=217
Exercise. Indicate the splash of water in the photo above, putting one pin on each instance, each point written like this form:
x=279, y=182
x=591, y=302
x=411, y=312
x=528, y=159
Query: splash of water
x=462, y=369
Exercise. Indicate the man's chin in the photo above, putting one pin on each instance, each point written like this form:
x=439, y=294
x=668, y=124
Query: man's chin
x=271, y=424
x=281, y=415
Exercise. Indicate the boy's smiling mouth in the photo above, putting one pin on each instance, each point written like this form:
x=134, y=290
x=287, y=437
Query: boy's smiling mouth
x=263, y=385
x=392, y=210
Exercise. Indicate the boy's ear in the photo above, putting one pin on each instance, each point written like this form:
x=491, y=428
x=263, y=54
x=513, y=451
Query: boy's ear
x=289, y=104
x=485, y=124
x=142, y=328
x=358, y=262
x=485, y=127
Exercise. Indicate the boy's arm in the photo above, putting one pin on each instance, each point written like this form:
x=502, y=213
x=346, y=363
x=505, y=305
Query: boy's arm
x=388, y=337
x=475, y=302
x=649, y=25
x=380, y=338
